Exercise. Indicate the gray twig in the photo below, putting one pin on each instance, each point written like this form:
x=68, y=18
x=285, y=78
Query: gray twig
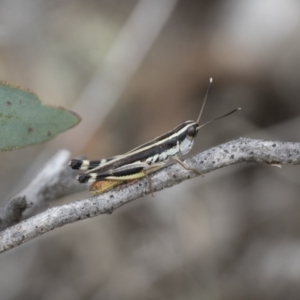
x=237, y=151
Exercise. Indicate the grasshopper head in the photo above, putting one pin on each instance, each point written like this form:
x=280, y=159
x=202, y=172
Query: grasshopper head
x=187, y=135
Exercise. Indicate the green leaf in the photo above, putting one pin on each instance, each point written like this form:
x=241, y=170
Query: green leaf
x=25, y=121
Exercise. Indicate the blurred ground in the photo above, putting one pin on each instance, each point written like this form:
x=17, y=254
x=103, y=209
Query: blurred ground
x=234, y=234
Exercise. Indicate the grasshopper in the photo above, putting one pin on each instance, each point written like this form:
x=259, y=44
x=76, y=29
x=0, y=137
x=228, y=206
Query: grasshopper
x=105, y=174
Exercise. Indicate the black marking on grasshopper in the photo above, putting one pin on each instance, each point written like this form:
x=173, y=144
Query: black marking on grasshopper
x=120, y=172
x=84, y=164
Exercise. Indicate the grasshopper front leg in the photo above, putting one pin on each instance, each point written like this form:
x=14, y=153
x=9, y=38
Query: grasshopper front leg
x=176, y=158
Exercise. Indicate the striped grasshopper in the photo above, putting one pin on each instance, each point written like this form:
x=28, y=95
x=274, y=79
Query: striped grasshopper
x=105, y=174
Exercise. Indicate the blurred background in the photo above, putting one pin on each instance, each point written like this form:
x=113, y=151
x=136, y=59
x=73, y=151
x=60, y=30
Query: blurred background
x=134, y=70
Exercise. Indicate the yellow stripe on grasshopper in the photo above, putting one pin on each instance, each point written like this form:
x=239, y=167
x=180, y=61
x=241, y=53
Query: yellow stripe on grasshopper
x=102, y=186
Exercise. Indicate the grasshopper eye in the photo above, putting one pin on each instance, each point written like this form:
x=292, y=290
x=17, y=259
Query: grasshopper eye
x=191, y=132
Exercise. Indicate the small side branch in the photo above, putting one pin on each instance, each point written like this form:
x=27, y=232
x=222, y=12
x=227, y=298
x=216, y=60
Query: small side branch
x=237, y=151
x=12, y=212
x=54, y=180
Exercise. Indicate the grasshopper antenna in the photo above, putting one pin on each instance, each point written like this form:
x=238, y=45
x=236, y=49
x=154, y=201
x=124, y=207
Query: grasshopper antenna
x=231, y=112
x=205, y=98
